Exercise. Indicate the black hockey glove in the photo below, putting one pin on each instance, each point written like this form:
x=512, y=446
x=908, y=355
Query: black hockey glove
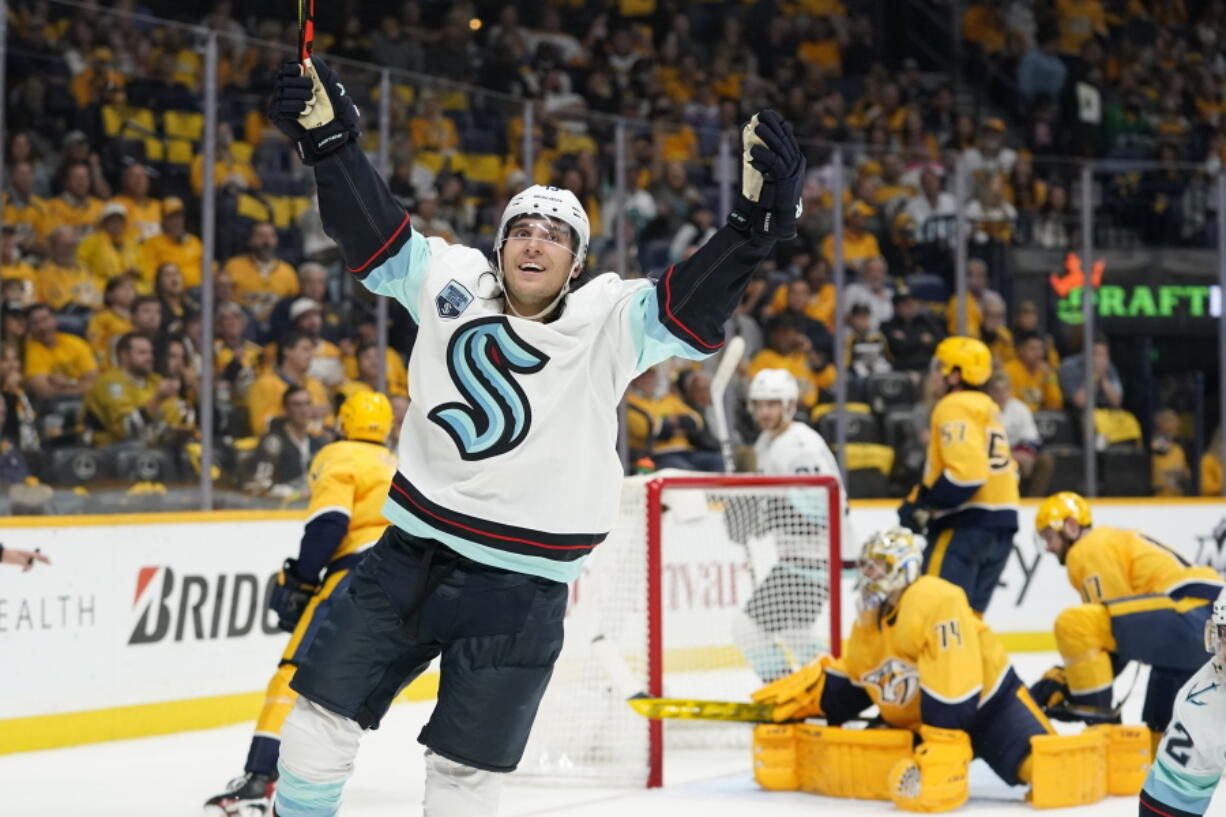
x=913, y=513
x=290, y=595
x=1051, y=690
x=313, y=109
x=772, y=173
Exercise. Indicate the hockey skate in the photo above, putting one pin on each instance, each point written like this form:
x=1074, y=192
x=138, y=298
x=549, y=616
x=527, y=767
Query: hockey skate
x=247, y=796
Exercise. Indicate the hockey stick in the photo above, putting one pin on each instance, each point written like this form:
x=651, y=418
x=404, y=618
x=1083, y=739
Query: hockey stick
x=681, y=708
x=317, y=114
x=719, y=385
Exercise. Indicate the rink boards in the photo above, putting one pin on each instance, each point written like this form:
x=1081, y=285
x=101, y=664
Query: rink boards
x=158, y=624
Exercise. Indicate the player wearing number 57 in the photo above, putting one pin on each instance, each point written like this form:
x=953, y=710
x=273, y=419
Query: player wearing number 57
x=967, y=501
x=508, y=475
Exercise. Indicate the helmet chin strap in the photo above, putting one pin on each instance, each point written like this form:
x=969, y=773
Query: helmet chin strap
x=506, y=297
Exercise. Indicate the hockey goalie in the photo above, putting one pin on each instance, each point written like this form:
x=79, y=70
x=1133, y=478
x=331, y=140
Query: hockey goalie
x=943, y=684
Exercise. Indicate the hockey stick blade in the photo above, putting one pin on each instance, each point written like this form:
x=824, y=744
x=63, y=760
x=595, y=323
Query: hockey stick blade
x=683, y=709
x=724, y=372
x=1088, y=714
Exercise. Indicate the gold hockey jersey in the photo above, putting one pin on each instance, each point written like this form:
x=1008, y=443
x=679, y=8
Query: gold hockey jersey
x=931, y=660
x=1110, y=563
x=348, y=481
x=970, y=476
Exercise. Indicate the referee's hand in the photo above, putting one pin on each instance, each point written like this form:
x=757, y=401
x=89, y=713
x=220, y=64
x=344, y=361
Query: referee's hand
x=24, y=558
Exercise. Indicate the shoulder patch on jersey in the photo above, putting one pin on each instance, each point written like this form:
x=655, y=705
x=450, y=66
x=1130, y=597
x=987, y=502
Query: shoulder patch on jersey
x=453, y=300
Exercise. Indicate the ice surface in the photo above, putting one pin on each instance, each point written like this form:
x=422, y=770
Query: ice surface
x=171, y=776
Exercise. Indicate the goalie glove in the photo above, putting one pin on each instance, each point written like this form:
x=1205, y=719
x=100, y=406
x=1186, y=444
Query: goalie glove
x=1050, y=691
x=935, y=777
x=772, y=173
x=798, y=695
x=291, y=595
x=312, y=108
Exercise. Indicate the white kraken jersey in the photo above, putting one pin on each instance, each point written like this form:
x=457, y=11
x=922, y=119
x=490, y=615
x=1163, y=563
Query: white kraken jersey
x=1192, y=755
x=801, y=450
x=507, y=452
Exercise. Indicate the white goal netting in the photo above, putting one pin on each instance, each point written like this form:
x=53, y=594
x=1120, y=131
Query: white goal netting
x=708, y=586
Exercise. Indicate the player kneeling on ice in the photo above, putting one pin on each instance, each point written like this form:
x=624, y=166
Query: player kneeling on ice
x=933, y=668
x=1144, y=602
x=1192, y=755
x=781, y=617
x=508, y=473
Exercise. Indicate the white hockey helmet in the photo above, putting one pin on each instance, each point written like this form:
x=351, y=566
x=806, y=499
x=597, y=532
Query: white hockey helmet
x=1215, y=635
x=774, y=384
x=897, y=555
x=552, y=203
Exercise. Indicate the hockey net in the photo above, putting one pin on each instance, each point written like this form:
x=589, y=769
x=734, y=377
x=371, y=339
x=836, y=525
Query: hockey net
x=708, y=586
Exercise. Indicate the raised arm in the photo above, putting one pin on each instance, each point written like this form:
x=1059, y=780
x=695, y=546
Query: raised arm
x=358, y=211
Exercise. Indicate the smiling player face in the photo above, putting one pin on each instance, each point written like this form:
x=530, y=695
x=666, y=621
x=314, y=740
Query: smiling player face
x=537, y=258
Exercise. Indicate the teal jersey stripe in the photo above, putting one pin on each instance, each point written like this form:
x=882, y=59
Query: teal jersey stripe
x=1189, y=792
x=302, y=798
x=532, y=565
x=402, y=275
x=652, y=340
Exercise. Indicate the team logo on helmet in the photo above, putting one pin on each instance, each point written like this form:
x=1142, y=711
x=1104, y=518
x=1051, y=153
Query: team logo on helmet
x=483, y=358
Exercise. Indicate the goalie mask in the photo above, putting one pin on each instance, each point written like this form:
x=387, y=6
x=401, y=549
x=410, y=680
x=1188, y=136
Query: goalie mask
x=548, y=214
x=1215, y=635
x=889, y=561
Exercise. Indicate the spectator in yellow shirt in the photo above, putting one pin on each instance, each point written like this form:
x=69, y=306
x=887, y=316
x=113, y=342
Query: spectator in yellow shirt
x=293, y=359
x=114, y=320
x=99, y=82
x=788, y=348
x=15, y=268
x=75, y=207
x=63, y=282
x=1035, y=381
x=113, y=249
x=25, y=210
x=57, y=364
x=144, y=211
x=431, y=129
x=1211, y=466
x=667, y=429
x=236, y=360
x=1080, y=20
x=859, y=245
x=306, y=318
x=229, y=170
x=173, y=244
x=1170, y=474
x=362, y=371
x=976, y=287
x=260, y=278
x=125, y=401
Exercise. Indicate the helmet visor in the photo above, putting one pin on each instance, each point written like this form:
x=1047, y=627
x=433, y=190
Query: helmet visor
x=542, y=228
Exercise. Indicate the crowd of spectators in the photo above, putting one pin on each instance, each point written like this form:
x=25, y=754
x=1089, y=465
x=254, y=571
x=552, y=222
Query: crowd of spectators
x=100, y=258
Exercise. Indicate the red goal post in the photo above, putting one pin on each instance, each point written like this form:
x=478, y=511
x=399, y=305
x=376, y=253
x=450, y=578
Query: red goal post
x=707, y=584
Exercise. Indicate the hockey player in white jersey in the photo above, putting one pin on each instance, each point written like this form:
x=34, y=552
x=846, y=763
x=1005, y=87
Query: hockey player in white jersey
x=786, y=535
x=1192, y=755
x=508, y=475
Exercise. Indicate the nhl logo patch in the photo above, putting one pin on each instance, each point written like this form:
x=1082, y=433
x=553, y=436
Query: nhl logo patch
x=453, y=300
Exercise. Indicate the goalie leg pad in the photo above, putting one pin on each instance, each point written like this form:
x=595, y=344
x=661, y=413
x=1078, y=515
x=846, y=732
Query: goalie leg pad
x=849, y=762
x=935, y=778
x=774, y=756
x=1068, y=770
x=1129, y=755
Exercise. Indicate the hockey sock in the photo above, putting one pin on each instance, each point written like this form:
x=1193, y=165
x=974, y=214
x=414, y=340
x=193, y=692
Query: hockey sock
x=262, y=756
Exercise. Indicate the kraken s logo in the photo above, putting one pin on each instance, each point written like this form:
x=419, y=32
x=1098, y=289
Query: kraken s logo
x=481, y=357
